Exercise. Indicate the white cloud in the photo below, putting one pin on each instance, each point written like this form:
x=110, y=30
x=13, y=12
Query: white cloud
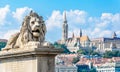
x=3, y=13
x=106, y=24
x=74, y=17
x=10, y=20
x=105, y=33
x=20, y=13
x=106, y=16
x=75, y=31
x=103, y=24
x=55, y=20
x=113, y=20
x=96, y=30
x=116, y=18
x=8, y=34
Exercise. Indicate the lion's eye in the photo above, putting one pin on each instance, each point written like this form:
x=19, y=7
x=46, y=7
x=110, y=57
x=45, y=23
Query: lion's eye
x=32, y=22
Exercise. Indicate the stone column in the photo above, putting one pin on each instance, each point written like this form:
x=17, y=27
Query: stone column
x=28, y=60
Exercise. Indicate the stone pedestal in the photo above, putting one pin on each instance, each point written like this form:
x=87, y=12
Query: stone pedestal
x=28, y=60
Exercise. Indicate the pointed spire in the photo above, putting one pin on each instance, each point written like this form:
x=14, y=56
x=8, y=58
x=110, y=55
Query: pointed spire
x=114, y=35
x=64, y=27
x=73, y=35
x=80, y=33
x=65, y=19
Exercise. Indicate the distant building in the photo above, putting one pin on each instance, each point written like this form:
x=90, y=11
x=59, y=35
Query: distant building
x=84, y=41
x=63, y=63
x=73, y=43
x=78, y=42
x=3, y=43
x=66, y=69
x=109, y=67
x=83, y=68
x=106, y=44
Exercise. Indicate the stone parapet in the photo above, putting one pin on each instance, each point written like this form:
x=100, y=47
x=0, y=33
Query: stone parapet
x=28, y=60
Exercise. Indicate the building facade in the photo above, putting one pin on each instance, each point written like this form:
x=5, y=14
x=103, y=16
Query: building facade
x=109, y=67
x=66, y=69
x=106, y=44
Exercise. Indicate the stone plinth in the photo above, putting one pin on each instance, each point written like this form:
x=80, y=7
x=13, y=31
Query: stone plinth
x=28, y=60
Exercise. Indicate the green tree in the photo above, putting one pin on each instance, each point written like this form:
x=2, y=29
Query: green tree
x=118, y=54
x=108, y=54
x=63, y=46
x=93, y=70
x=90, y=51
x=75, y=60
x=84, y=70
x=115, y=53
x=95, y=53
x=81, y=51
x=2, y=45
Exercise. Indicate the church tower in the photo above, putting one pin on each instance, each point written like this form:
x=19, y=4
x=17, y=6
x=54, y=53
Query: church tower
x=64, y=29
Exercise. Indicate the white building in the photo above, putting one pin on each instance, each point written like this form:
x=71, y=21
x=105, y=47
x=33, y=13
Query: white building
x=109, y=67
x=106, y=44
x=65, y=69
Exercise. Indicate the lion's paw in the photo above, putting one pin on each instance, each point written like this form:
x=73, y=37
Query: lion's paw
x=48, y=44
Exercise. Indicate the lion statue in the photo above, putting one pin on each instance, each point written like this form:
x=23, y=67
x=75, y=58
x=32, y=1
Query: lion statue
x=33, y=29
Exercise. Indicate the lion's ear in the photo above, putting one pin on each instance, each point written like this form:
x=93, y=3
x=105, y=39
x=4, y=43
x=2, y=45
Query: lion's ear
x=31, y=12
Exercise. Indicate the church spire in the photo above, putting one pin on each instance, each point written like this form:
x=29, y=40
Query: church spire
x=73, y=35
x=65, y=20
x=64, y=28
x=80, y=33
x=114, y=35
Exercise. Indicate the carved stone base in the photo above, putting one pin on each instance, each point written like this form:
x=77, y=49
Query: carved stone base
x=28, y=60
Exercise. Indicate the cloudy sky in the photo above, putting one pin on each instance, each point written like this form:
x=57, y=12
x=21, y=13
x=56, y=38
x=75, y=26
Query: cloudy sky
x=96, y=18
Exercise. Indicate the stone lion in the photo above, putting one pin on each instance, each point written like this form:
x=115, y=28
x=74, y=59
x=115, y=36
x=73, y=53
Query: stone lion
x=33, y=29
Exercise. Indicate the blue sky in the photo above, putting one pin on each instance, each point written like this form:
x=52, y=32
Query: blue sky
x=96, y=18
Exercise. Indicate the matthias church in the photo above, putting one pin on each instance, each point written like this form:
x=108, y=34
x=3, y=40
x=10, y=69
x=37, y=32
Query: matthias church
x=75, y=43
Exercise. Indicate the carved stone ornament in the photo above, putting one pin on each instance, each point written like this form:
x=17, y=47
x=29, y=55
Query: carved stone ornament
x=32, y=33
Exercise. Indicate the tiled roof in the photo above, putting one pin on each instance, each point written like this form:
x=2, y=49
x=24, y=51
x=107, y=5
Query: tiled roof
x=96, y=61
x=84, y=38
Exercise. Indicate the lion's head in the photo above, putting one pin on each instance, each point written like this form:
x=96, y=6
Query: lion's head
x=33, y=28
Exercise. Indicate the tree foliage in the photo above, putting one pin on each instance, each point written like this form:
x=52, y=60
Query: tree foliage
x=88, y=52
x=81, y=51
x=63, y=46
x=93, y=70
x=110, y=54
x=75, y=60
x=2, y=45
